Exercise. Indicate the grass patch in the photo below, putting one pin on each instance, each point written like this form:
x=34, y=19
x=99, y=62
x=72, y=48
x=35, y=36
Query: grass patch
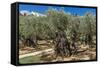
x=30, y=59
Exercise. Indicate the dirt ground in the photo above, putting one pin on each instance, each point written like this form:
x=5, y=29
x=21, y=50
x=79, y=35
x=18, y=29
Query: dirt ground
x=83, y=53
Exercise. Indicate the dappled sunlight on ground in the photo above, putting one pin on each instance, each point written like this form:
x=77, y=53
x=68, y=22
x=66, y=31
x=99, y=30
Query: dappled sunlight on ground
x=83, y=53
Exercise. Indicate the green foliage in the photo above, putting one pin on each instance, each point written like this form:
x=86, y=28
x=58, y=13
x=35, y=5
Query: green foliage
x=44, y=27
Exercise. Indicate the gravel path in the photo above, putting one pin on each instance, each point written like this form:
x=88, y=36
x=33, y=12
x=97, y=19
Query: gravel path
x=47, y=51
